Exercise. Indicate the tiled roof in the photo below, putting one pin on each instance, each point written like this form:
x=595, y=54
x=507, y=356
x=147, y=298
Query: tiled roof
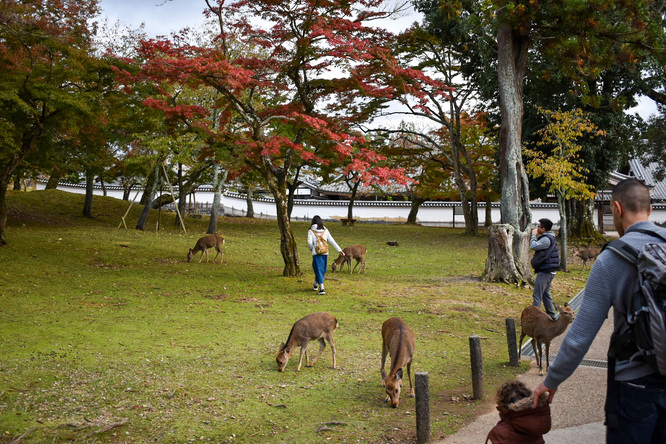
x=646, y=174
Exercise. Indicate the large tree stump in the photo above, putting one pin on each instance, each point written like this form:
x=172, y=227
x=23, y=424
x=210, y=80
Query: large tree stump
x=508, y=253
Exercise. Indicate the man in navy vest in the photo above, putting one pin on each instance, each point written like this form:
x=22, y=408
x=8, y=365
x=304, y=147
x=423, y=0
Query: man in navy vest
x=546, y=262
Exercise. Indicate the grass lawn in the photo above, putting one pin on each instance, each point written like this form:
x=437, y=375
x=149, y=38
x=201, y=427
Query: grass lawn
x=109, y=335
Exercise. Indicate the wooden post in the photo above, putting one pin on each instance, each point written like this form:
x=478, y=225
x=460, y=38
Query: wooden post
x=477, y=366
x=422, y=383
x=511, y=342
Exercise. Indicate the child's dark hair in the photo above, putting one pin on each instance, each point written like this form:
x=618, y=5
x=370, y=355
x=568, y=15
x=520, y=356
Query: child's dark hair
x=511, y=392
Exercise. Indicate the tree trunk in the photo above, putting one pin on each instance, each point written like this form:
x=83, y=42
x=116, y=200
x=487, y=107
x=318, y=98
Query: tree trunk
x=54, y=178
x=17, y=179
x=470, y=214
x=414, y=210
x=147, y=195
x=250, y=205
x=127, y=190
x=182, y=198
x=352, y=199
x=489, y=213
x=277, y=184
x=3, y=212
x=564, y=237
x=87, y=203
x=502, y=239
x=218, y=185
x=581, y=221
x=515, y=211
x=141, y=223
x=6, y=172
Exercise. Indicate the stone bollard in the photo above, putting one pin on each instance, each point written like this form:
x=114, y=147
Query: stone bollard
x=422, y=383
x=477, y=366
x=514, y=359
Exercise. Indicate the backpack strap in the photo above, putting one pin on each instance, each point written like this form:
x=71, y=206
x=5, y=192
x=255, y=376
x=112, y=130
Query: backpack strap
x=629, y=252
x=623, y=249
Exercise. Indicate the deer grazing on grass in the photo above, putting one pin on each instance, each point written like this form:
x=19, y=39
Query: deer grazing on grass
x=536, y=324
x=398, y=341
x=586, y=254
x=351, y=252
x=315, y=326
x=203, y=244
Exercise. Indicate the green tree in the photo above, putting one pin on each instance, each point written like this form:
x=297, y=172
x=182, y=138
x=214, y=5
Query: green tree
x=46, y=79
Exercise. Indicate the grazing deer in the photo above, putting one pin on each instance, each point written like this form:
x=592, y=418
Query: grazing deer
x=398, y=340
x=536, y=324
x=586, y=254
x=315, y=326
x=203, y=244
x=351, y=252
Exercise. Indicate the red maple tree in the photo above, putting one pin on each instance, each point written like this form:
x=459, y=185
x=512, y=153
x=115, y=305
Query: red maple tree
x=293, y=78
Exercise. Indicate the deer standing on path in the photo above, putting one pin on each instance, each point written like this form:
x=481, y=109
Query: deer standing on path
x=398, y=341
x=535, y=323
x=315, y=326
x=357, y=252
x=206, y=242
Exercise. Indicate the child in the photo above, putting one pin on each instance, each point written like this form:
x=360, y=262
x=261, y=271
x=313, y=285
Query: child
x=520, y=423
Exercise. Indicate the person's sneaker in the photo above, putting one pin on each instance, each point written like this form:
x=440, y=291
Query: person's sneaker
x=315, y=287
x=322, y=291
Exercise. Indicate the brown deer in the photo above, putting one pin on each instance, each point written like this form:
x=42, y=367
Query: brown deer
x=315, y=326
x=536, y=324
x=398, y=340
x=206, y=242
x=586, y=254
x=351, y=252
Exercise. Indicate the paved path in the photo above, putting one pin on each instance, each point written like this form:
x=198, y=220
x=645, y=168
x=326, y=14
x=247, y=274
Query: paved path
x=578, y=407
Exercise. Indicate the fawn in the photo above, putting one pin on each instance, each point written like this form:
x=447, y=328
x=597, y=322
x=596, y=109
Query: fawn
x=398, y=340
x=586, y=254
x=536, y=324
x=351, y=252
x=206, y=242
x=315, y=326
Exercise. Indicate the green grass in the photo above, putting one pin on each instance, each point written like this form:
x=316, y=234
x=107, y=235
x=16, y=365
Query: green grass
x=105, y=327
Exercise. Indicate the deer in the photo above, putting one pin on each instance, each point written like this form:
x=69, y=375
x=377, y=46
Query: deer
x=351, y=252
x=398, y=341
x=539, y=326
x=315, y=326
x=586, y=254
x=204, y=243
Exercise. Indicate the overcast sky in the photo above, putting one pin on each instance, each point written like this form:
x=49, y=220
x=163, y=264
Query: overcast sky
x=161, y=17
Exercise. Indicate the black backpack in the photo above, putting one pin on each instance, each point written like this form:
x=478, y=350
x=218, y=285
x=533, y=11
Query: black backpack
x=647, y=309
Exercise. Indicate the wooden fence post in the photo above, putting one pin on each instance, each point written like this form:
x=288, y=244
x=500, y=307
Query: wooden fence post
x=422, y=382
x=477, y=366
x=511, y=342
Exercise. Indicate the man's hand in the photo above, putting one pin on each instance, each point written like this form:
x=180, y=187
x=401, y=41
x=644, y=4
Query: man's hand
x=543, y=389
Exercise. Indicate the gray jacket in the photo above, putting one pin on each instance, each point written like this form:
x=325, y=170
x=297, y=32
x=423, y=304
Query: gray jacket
x=611, y=282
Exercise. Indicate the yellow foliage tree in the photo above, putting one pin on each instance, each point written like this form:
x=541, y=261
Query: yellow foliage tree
x=562, y=170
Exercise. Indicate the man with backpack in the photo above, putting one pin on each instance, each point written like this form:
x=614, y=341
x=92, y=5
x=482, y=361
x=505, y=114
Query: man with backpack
x=546, y=262
x=636, y=390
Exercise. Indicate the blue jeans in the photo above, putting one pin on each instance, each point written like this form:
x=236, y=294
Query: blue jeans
x=319, y=265
x=542, y=285
x=636, y=414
